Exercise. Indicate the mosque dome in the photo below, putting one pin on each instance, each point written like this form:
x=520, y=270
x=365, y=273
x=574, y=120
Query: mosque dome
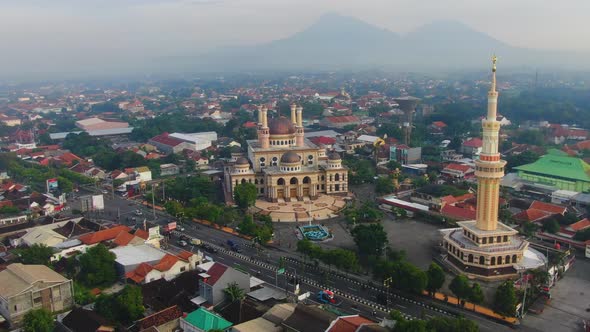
x=281, y=126
x=290, y=158
x=242, y=161
x=334, y=156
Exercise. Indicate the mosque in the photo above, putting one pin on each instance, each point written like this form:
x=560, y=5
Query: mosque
x=284, y=165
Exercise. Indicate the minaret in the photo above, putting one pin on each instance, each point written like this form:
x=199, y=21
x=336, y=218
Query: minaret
x=293, y=115
x=299, y=133
x=263, y=131
x=489, y=169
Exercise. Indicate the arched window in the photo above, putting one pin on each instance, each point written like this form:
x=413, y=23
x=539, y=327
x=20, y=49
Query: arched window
x=323, y=178
x=481, y=260
x=507, y=259
x=243, y=181
x=249, y=180
x=274, y=161
x=293, y=180
x=499, y=260
x=337, y=177
x=513, y=258
x=281, y=182
x=499, y=239
x=470, y=258
x=255, y=181
x=261, y=181
x=484, y=240
x=330, y=177
x=307, y=180
x=493, y=261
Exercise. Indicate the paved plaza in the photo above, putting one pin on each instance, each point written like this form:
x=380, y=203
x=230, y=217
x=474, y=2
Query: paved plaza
x=323, y=208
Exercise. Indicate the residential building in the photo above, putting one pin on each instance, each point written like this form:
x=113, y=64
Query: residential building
x=202, y=320
x=166, y=320
x=458, y=171
x=472, y=147
x=169, y=169
x=340, y=121
x=95, y=124
x=169, y=267
x=168, y=144
x=84, y=320
x=199, y=141
x=216, y=279
x=404, y=154
x=27, y=287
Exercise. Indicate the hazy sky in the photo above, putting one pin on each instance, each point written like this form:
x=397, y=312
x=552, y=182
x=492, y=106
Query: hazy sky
x=45, y=33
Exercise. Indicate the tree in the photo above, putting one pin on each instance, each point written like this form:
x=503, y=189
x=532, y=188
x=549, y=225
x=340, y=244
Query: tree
x=130, y=303
x=505, y=299
x=36, y=254
x=245, y=195
x=384, y=185
x=97, y=267
x=233, y=292
x=40, y=320
x=174, y=208
x=370, y=239
x=436, y=278
x=455, y=143
x=551, y=226
x=476, y=295
x=460, y=287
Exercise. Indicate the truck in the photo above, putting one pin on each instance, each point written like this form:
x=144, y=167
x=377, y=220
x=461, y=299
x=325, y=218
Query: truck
x=196, y=242
x=327, y=297
x=166, y=229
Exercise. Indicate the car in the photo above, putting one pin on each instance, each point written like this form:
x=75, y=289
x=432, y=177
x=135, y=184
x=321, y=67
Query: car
x=182, y=243
x=180, y=228
x=185, y=238
x=138, y=213
x=104, y=191
x=208, y=248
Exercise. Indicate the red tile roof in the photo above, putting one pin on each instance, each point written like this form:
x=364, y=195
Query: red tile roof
x=531, y=215
x=123, y=238
x=583, y=145
x=439, y=124
x=138, y=275
x=167, y=140
x=474, y=143
x=348, y=323
x=104, y=235
x=322, y=140
x=548, y=207
x=166, y=263
x=215, y=272
x=580, y=225
x=142, y=234
x=465, y=197
x=458, y=213
x=249, y=124
x=160, y=317
x=458, y=167
x=343, y=119
x=184, y=255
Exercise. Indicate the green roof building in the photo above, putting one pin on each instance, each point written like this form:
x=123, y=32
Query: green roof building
x=202, y=320
x=557, y=169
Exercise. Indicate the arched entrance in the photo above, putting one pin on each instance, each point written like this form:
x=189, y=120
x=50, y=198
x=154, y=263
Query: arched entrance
x=281, y=188
x=293, y=187
x=307, y=186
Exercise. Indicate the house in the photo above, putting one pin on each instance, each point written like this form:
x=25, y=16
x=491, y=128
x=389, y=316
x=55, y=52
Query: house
x=216, y=279
x=103, y=235
x=437, y=128
x=352, y=323
x=163, y=320
x=458, y=171
x=169, y=267
x=169, y=169
x=308, y=318
x=42, y=236
x=84, y=320
x=143, y=174
x=472, y=147
x=579, y=225
x=131, y=257
x=404, y=154
x=202, y=320
x=458, y=213
x=198, y=141
x=269, y=322
x=27, y=287
x=548, y=207
x=340, y=121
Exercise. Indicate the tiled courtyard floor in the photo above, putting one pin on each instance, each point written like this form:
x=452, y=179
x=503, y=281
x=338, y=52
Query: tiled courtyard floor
x=325, y=207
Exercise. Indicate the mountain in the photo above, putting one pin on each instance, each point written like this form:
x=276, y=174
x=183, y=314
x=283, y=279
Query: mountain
x=336, y=42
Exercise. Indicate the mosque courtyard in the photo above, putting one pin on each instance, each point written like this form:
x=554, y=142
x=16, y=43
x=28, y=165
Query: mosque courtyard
x=323, y=208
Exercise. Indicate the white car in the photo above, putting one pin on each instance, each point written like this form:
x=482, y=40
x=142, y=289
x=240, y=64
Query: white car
x=138, y=213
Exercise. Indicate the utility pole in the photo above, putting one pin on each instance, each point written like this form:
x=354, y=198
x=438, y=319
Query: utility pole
x=153, y=201
x=524, y=295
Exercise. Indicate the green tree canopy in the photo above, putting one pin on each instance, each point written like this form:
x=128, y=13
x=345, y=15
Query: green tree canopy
x=36, y=254
x=505, y=300
x=476, y=294
x=124, y=307
x=460, y=287
x=245, y=195
x=233, y=292
x=551, y=226
x=40, y=320
x=97, y=267
x=436, y=277
x=384, y=185
x=370, y=239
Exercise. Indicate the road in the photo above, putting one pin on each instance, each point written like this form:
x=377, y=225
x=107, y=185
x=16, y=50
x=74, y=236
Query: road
x=358, y=293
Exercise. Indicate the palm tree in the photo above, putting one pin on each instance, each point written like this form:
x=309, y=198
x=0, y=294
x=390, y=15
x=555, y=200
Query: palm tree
x=234, y=293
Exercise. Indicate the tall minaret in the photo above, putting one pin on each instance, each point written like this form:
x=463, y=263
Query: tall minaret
x=489, y=169
x=299, y=133
x=263, y=131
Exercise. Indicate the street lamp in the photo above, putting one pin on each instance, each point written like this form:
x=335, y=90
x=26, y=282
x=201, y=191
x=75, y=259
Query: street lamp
x=387, y=283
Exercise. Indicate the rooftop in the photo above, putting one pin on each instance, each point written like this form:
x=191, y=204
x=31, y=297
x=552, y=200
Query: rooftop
x=130, y=255
x=501, y=229
x=553, y=165
x=17, y=278
x=206, y=320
